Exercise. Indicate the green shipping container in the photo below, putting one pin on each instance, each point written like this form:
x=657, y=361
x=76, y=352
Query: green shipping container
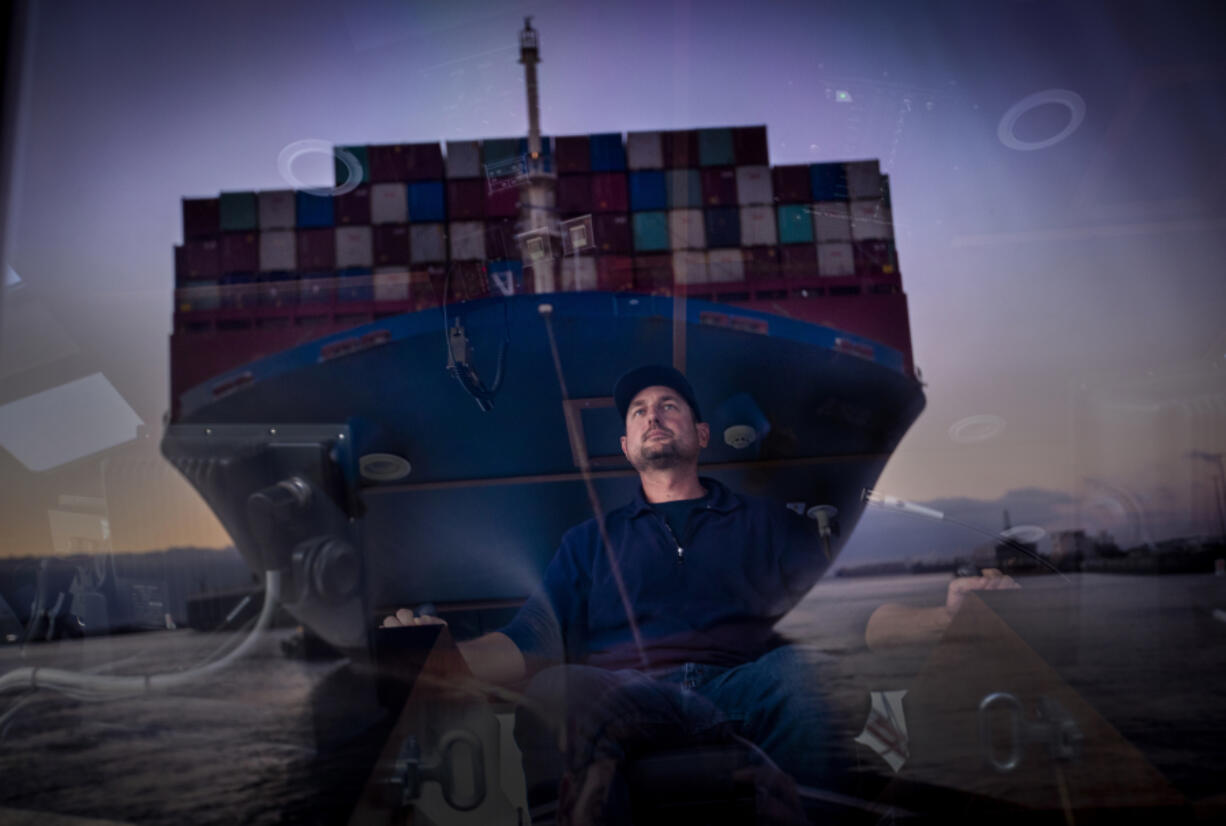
x=342, y=167
x=238, y=211
x=650, y=231
x=499, y=152
x=715, y=147
x=795, y=224
x=684, y=188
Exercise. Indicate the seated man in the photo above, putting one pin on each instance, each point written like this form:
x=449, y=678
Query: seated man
x=664, y=613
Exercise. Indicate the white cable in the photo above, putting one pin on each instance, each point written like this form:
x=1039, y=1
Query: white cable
x=70, y=682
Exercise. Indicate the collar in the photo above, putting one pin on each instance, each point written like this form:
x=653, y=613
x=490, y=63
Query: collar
x=722, y=499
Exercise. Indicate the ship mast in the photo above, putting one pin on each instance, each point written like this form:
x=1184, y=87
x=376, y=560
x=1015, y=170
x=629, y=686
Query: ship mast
x=536, y=210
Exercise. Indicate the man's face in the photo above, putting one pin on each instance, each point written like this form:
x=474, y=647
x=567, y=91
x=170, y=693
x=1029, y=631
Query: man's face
x=661, y=432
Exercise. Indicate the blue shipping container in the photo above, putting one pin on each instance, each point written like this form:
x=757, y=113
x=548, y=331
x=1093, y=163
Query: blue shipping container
x=546, y=151
x=427, y=202
x=684, y=188
x=647, y=191
x=355, y=284
x=723, y=226
x=608, y=152
x=715, y=147
x=828, y=181
x=314, y=210
x=650, y=231
x=795, y=224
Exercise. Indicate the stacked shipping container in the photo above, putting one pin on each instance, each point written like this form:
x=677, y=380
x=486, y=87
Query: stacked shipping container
x=416, y=227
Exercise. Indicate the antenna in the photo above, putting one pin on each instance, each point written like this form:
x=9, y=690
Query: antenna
x=537, y=194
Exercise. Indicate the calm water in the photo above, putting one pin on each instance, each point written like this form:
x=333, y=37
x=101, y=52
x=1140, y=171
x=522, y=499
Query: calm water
x=252, y=746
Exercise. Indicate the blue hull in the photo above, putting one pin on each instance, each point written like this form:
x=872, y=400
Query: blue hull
x=490, y=493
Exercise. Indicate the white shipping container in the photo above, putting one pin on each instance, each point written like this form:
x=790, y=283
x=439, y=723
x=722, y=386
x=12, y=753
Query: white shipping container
x=863, y=179
x=278, y=250
x=427, y=243
x=467, y=240
x=354, y=247
x=690, y=267
x=464, y=159
x=578, y=273
x=831, y=222
x=644, y=150
x=725, y=265
x=391, y=284
x=871, y=220
x=758, y=226
x=389, y=204
x=686, y=229
x=835, y=260
x=753, y=185
x=277, y=209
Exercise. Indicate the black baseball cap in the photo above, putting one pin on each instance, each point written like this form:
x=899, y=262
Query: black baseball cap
x=629, y=385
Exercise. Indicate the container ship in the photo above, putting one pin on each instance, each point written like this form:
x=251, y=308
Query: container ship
x=423, y=355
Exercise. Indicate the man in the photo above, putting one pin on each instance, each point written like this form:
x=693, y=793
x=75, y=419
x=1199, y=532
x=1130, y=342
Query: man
x=675, y=617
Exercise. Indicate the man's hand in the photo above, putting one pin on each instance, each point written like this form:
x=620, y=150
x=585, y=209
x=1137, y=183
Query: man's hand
x=404, y=617
x=894, y=624
x=991, y=580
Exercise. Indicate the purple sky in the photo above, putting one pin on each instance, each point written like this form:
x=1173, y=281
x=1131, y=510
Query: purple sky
x=1074, y=291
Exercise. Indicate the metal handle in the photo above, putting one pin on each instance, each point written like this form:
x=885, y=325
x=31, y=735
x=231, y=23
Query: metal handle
x=1053, y=725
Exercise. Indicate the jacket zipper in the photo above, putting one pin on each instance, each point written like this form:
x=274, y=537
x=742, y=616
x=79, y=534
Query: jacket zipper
x=673, y=536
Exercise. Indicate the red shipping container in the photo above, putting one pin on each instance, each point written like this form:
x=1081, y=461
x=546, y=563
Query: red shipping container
x=502, y=203
x=615, y=273
x=574, y=194
x=467, y=281
x=391, y=243
x=653, y=273
x=353, y=208
x=680, y=148
x=387, y=163
x=572, y=154
x=466, y=199
x=423, y=162
x=792, y=184
x=719, y=186
x=609, y=193
x=424, y=286
x=798, y=260
x=240, y=252
x=876, y=257
x=761, y=263
x=316, y=249
x=614, y=233
x=749, y=146
x=201, y=258
x=201, y=217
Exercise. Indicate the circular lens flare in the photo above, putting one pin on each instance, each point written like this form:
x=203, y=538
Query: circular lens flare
x=975, y=429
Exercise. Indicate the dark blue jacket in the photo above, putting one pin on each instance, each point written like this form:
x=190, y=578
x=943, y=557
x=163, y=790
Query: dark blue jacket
x=746, y=562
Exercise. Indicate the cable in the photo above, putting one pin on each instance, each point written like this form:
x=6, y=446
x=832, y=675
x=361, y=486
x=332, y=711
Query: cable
x=457, y=353
x=91, y=686
x=546, y=311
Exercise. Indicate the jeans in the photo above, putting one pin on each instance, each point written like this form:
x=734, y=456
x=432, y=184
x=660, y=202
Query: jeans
x=581, y=714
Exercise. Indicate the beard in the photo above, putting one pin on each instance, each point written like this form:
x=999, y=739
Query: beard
x=661, y=455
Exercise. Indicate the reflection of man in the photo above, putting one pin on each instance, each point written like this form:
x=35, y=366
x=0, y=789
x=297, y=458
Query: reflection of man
x=698, y=573
x=895, y=624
